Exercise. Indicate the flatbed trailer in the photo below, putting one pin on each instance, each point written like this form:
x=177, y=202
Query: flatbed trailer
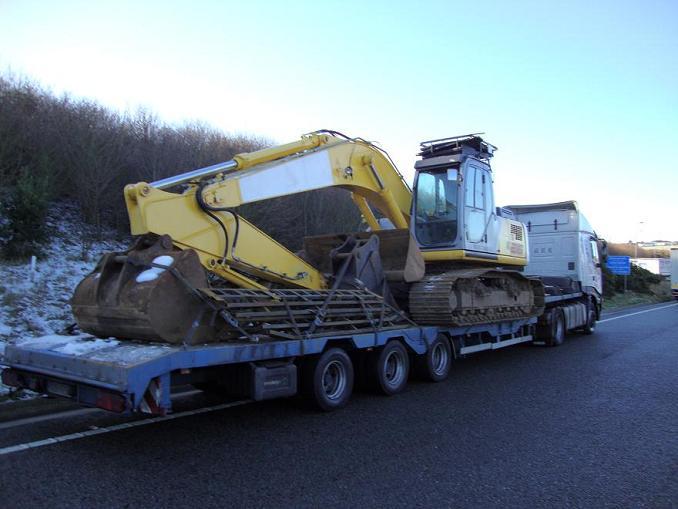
x=129, y=376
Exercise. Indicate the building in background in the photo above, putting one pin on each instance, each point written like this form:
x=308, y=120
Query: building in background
x=661, y=266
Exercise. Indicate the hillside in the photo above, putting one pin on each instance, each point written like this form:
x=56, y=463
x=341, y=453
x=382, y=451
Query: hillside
x=629, y=249
x=35, y=303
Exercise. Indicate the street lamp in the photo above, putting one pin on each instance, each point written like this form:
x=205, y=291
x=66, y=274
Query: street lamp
x=640, y=226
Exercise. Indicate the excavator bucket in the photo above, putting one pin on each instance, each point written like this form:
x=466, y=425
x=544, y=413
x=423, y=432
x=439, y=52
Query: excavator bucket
x=156, y=292
x=401, y=260
x=146, y=293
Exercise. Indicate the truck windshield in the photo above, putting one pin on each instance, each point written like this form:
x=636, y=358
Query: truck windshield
x=436, y=207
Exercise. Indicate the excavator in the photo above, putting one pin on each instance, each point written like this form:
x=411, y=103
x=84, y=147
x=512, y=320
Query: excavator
x=199, y=272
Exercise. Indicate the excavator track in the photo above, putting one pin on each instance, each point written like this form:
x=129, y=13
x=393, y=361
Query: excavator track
x=470, y=296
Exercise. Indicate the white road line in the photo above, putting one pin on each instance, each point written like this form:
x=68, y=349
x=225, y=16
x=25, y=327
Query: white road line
x=48, y=417
x=637, y=313
x=74, y=413
x=117, y=427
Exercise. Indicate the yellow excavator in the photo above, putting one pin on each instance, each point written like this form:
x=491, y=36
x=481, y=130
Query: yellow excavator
x=200, y=272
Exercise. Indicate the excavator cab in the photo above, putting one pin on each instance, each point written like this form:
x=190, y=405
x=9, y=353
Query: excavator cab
x=454, y=215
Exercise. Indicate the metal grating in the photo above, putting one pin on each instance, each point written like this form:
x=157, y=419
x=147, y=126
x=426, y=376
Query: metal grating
x=517, y=232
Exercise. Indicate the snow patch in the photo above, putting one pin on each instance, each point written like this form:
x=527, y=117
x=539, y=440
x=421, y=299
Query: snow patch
x=5, y=330
x=49, y=341
x=41, y=306
x=154, y=272
x=71, y=345
x=85, y=346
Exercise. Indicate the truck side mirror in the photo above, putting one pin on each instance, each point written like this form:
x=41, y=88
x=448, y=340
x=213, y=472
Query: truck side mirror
x=603, y=250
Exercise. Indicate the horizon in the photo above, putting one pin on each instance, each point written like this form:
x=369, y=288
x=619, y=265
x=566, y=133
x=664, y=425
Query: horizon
x=580, y=100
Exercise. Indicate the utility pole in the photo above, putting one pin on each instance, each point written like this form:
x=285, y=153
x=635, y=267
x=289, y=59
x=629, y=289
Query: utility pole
x=640, y=226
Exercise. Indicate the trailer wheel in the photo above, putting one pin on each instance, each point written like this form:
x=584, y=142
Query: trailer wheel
x=330, y=382
x=436, y=363
x=557, y=335
x=390, y=368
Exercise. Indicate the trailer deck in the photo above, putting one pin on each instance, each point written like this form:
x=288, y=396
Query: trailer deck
x=128, y=376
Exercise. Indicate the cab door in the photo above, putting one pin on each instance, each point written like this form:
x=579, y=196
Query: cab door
x=479, y=214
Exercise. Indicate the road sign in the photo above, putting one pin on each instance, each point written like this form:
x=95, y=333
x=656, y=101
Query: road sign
x=619, y=265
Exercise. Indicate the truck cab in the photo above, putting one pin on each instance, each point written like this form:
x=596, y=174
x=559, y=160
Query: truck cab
x=562, y=244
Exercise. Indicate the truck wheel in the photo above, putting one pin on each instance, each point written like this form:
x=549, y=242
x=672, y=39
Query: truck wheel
x=557, y=335
x=390, y=368
x=590, y=326
x=330, y=381
x=436, y=363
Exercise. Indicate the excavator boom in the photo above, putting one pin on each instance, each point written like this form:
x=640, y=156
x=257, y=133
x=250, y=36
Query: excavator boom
x=203, y=217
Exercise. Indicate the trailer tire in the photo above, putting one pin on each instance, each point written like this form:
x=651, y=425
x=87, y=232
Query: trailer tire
x=390, y=368
x=557, y=335
x=436, y=363
x=329, y=379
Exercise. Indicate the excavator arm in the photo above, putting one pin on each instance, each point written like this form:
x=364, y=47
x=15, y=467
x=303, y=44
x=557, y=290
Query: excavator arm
x=203, y=217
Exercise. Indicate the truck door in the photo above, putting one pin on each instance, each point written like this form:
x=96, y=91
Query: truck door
x=596, y=272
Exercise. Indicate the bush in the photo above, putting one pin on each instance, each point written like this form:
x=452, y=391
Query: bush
x=609, y=282
x=24, y=209
x=638, y=281
x=89, y=153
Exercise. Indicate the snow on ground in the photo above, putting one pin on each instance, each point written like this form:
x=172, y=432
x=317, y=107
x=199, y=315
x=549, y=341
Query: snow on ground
x=35, y=303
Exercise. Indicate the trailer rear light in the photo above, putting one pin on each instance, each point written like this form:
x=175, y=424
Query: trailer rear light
x=111, y=401
x=10, y=378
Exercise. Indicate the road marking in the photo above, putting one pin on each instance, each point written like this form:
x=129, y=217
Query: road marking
x=74, y=413
x=117, y=427
x=48, y=417
x=637, y=313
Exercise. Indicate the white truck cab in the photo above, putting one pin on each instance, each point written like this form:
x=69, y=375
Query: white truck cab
x=562, y=244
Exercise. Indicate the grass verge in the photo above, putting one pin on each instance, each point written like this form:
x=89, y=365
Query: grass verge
x=629, y=298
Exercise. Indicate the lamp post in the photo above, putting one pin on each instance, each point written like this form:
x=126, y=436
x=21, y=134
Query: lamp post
x=640, y=226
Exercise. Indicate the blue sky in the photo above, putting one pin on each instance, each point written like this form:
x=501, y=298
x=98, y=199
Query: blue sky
x=580, y=97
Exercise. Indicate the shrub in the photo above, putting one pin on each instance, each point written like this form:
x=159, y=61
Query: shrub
x=638, y=281
x=23, y=210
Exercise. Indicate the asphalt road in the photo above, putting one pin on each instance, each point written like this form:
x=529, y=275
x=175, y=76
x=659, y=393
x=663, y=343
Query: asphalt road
x=593, y=423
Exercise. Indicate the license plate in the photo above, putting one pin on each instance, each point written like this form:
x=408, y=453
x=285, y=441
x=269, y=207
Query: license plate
x=60, y=389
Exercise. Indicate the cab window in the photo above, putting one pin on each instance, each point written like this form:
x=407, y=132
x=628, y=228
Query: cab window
x=436, y=208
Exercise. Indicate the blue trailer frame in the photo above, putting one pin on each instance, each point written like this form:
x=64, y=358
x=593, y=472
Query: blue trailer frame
x=130, y=376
